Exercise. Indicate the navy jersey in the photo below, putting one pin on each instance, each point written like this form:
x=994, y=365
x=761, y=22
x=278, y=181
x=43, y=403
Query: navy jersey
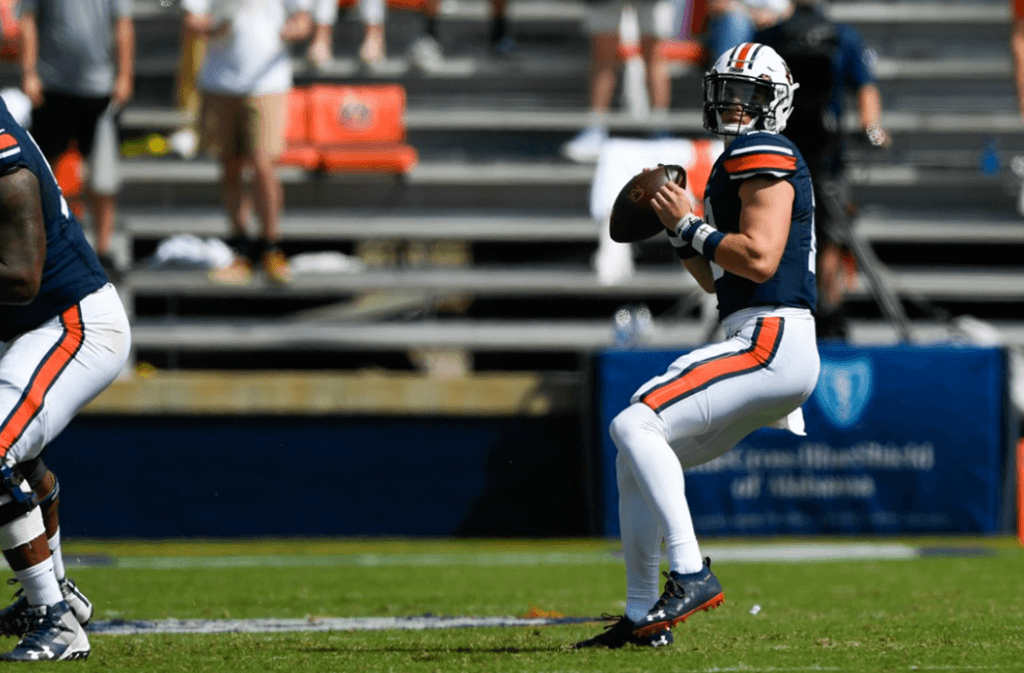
x=71, y=269
x=753, y=155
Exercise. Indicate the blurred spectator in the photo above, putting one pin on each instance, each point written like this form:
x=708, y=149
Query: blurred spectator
x=245, y=80
x=603, y=19
x=1017, y=50
x=828, y=61
x=733, y=22
x=426, y=51
x=187, y=96
x=78, y=68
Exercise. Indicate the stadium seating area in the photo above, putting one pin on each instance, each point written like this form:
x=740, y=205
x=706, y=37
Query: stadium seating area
x=472, y=237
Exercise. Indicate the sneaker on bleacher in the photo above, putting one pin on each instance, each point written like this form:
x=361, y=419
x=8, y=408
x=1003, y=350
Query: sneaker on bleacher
x=238, y=272
x=276, y=267
x=585, y=148
x=426, y=54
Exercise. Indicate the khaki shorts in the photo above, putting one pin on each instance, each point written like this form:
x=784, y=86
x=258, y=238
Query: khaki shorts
x=244, y=126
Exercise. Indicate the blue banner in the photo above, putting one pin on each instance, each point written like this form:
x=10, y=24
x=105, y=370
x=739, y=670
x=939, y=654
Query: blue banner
x=902, y=439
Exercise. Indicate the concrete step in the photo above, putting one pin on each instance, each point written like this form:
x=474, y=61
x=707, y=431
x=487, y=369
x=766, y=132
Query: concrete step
x=481, y=335
x=333, y=226
x=964, y=284
x=328, y=226
x=551, y=185
x=456, y=119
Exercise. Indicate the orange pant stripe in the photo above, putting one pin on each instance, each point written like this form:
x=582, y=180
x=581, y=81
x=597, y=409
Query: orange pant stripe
x=43, y=379
x=700, y=375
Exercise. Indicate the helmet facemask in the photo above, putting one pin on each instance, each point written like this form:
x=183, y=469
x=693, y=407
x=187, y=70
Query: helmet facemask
x=749, y=101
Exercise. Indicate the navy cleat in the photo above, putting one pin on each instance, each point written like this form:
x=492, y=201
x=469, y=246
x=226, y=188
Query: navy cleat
x=684, y=595
x=15, y=622
x=53, y=635
x=621, y=633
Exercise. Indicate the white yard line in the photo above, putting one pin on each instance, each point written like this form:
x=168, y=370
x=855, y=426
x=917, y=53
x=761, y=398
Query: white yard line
x=796, y=553
x=119, y=627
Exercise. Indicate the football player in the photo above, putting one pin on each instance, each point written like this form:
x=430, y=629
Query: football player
x=64, y=337
x=756, y=252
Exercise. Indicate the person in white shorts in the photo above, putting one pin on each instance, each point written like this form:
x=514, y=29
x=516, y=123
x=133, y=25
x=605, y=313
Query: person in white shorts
x=64, y=337
x=756, y=252
x=654, y=18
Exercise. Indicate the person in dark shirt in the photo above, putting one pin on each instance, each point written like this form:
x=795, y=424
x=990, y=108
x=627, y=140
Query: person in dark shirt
x=829, y=60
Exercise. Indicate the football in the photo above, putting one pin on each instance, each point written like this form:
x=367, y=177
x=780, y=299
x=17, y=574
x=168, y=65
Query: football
x=633, y=219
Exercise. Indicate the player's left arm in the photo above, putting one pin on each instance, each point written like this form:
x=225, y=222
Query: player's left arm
x=124, y=51
x=754, y=252
x=22, y=237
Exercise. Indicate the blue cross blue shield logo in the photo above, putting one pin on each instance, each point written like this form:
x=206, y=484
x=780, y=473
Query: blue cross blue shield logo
x=844, y=389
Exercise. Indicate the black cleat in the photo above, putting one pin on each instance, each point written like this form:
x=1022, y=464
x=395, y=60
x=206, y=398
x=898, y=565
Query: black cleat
x=680, y=600
x=53, y=635
x=621, y=633
x=14, y=620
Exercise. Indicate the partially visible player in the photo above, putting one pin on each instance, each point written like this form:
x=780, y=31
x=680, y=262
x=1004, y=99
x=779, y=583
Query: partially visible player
x=64, y=337
x=756, y=252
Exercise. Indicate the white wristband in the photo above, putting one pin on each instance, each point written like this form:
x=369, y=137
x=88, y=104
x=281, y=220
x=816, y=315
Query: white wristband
x=701, y=236
x=685, y=221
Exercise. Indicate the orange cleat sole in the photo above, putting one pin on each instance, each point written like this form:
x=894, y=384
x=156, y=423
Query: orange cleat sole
x=650, y=629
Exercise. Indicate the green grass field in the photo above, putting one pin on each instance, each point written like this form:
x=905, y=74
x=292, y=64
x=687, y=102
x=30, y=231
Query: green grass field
x=948, y=612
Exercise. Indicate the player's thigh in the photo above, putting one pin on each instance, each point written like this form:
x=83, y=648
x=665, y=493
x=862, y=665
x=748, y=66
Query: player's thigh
x=723, y=390
x=722, y=437
x=48, y=374
x=689, y=412
x=266, y=117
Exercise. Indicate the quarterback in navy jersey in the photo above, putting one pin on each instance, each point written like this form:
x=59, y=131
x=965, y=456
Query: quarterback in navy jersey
x=762, y=154
x=64, y=337
x=756, y=253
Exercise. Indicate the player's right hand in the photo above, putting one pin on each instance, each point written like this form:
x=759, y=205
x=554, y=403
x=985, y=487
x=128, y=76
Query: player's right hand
x=671, y=203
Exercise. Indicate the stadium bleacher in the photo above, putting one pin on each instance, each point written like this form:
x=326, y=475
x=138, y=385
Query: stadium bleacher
x=490, y=179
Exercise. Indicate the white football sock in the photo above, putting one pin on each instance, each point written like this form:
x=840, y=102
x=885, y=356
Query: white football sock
x=58, y=557
x=641, y=544
x=640, y=436
x=40, y=584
